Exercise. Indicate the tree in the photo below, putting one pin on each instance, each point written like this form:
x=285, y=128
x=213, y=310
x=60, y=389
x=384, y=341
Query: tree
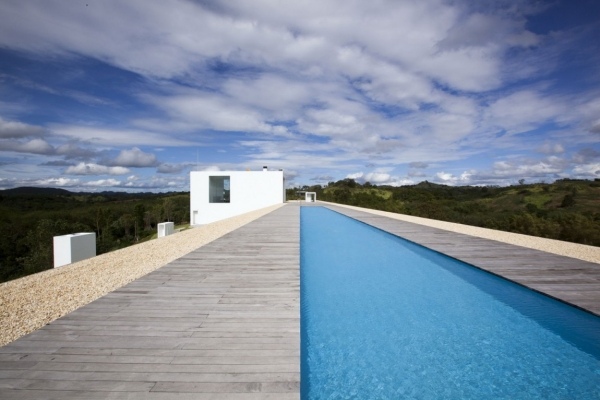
x=568, y=201
x=41, y=244
x=138, y=214
x=168, y=209
x=148, y=219
x=342, y=195
x=101, y=220
x=127, y=222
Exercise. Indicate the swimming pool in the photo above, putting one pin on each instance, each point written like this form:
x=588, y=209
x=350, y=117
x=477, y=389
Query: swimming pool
x=383, y=318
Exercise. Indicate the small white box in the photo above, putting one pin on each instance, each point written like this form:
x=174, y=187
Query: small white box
x=165, y=229
x=74, y=247
x=310, y=197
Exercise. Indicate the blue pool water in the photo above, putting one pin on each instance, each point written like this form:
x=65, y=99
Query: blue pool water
x=383, y=318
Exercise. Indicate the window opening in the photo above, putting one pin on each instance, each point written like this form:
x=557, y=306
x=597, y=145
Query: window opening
x=219, y=189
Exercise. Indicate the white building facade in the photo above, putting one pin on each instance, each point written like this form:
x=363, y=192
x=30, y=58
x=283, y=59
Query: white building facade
x=216, y=195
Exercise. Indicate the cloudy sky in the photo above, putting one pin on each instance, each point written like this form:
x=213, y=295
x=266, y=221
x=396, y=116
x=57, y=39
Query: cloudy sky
x=132, y=95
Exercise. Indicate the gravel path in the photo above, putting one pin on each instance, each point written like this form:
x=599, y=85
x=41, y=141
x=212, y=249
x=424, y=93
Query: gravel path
x=574, y=250
x=28, y=303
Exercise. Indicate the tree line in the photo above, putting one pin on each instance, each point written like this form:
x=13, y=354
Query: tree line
x=567, y=209
x=31, y=217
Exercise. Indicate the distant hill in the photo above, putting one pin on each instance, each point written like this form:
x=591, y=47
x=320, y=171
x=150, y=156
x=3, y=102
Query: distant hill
x=427, y=184
x=34, y=191
x=49, y=192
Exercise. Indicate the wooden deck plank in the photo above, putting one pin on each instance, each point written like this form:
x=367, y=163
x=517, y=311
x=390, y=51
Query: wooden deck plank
x=570, y=280
x=26, y=394
x=222, y=322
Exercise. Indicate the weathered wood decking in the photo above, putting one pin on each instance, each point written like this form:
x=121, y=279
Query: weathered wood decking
x=222, y=322
x=573, y=281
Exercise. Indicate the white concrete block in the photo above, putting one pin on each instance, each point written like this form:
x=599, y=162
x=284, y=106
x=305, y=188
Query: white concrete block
x=310, y=197
x=74, y=247
x=165, y=229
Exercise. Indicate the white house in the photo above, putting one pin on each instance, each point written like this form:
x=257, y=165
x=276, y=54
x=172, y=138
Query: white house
x=216, y=195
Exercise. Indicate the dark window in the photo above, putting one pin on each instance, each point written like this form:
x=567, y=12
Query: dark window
x=218, y=191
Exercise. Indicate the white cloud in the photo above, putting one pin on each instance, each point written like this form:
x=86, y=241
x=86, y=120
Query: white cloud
x=508, y=172
x=530, y=168
x=61, y=182
x=467, y=68
x=103, y=183
x=587, y=171
x=418, y=165
x=135, y=158
x=416, y=174
x=450, y=179
x=551, y=148
x=586, y=155
x=279, y=96
x=479, y=29
x=117, y=137
x=17, y=130
x=167, y=168
x=95, y=169
x=34, y=146
x=379, y=178
x=319, y=83
x=322, y=178
x=524, y=110
x=174, y=183
x=205, y=110
x=72, y=150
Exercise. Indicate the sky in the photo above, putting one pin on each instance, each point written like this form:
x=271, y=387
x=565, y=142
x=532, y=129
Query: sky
x=133, y=95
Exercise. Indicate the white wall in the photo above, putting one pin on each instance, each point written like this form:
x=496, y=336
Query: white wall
x=249, y=191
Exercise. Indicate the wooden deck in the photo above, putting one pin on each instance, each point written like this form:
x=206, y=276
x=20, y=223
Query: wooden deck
x=222, y=322
x=568, y=279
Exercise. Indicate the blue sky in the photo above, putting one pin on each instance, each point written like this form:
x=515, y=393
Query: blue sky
x=132, y=95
